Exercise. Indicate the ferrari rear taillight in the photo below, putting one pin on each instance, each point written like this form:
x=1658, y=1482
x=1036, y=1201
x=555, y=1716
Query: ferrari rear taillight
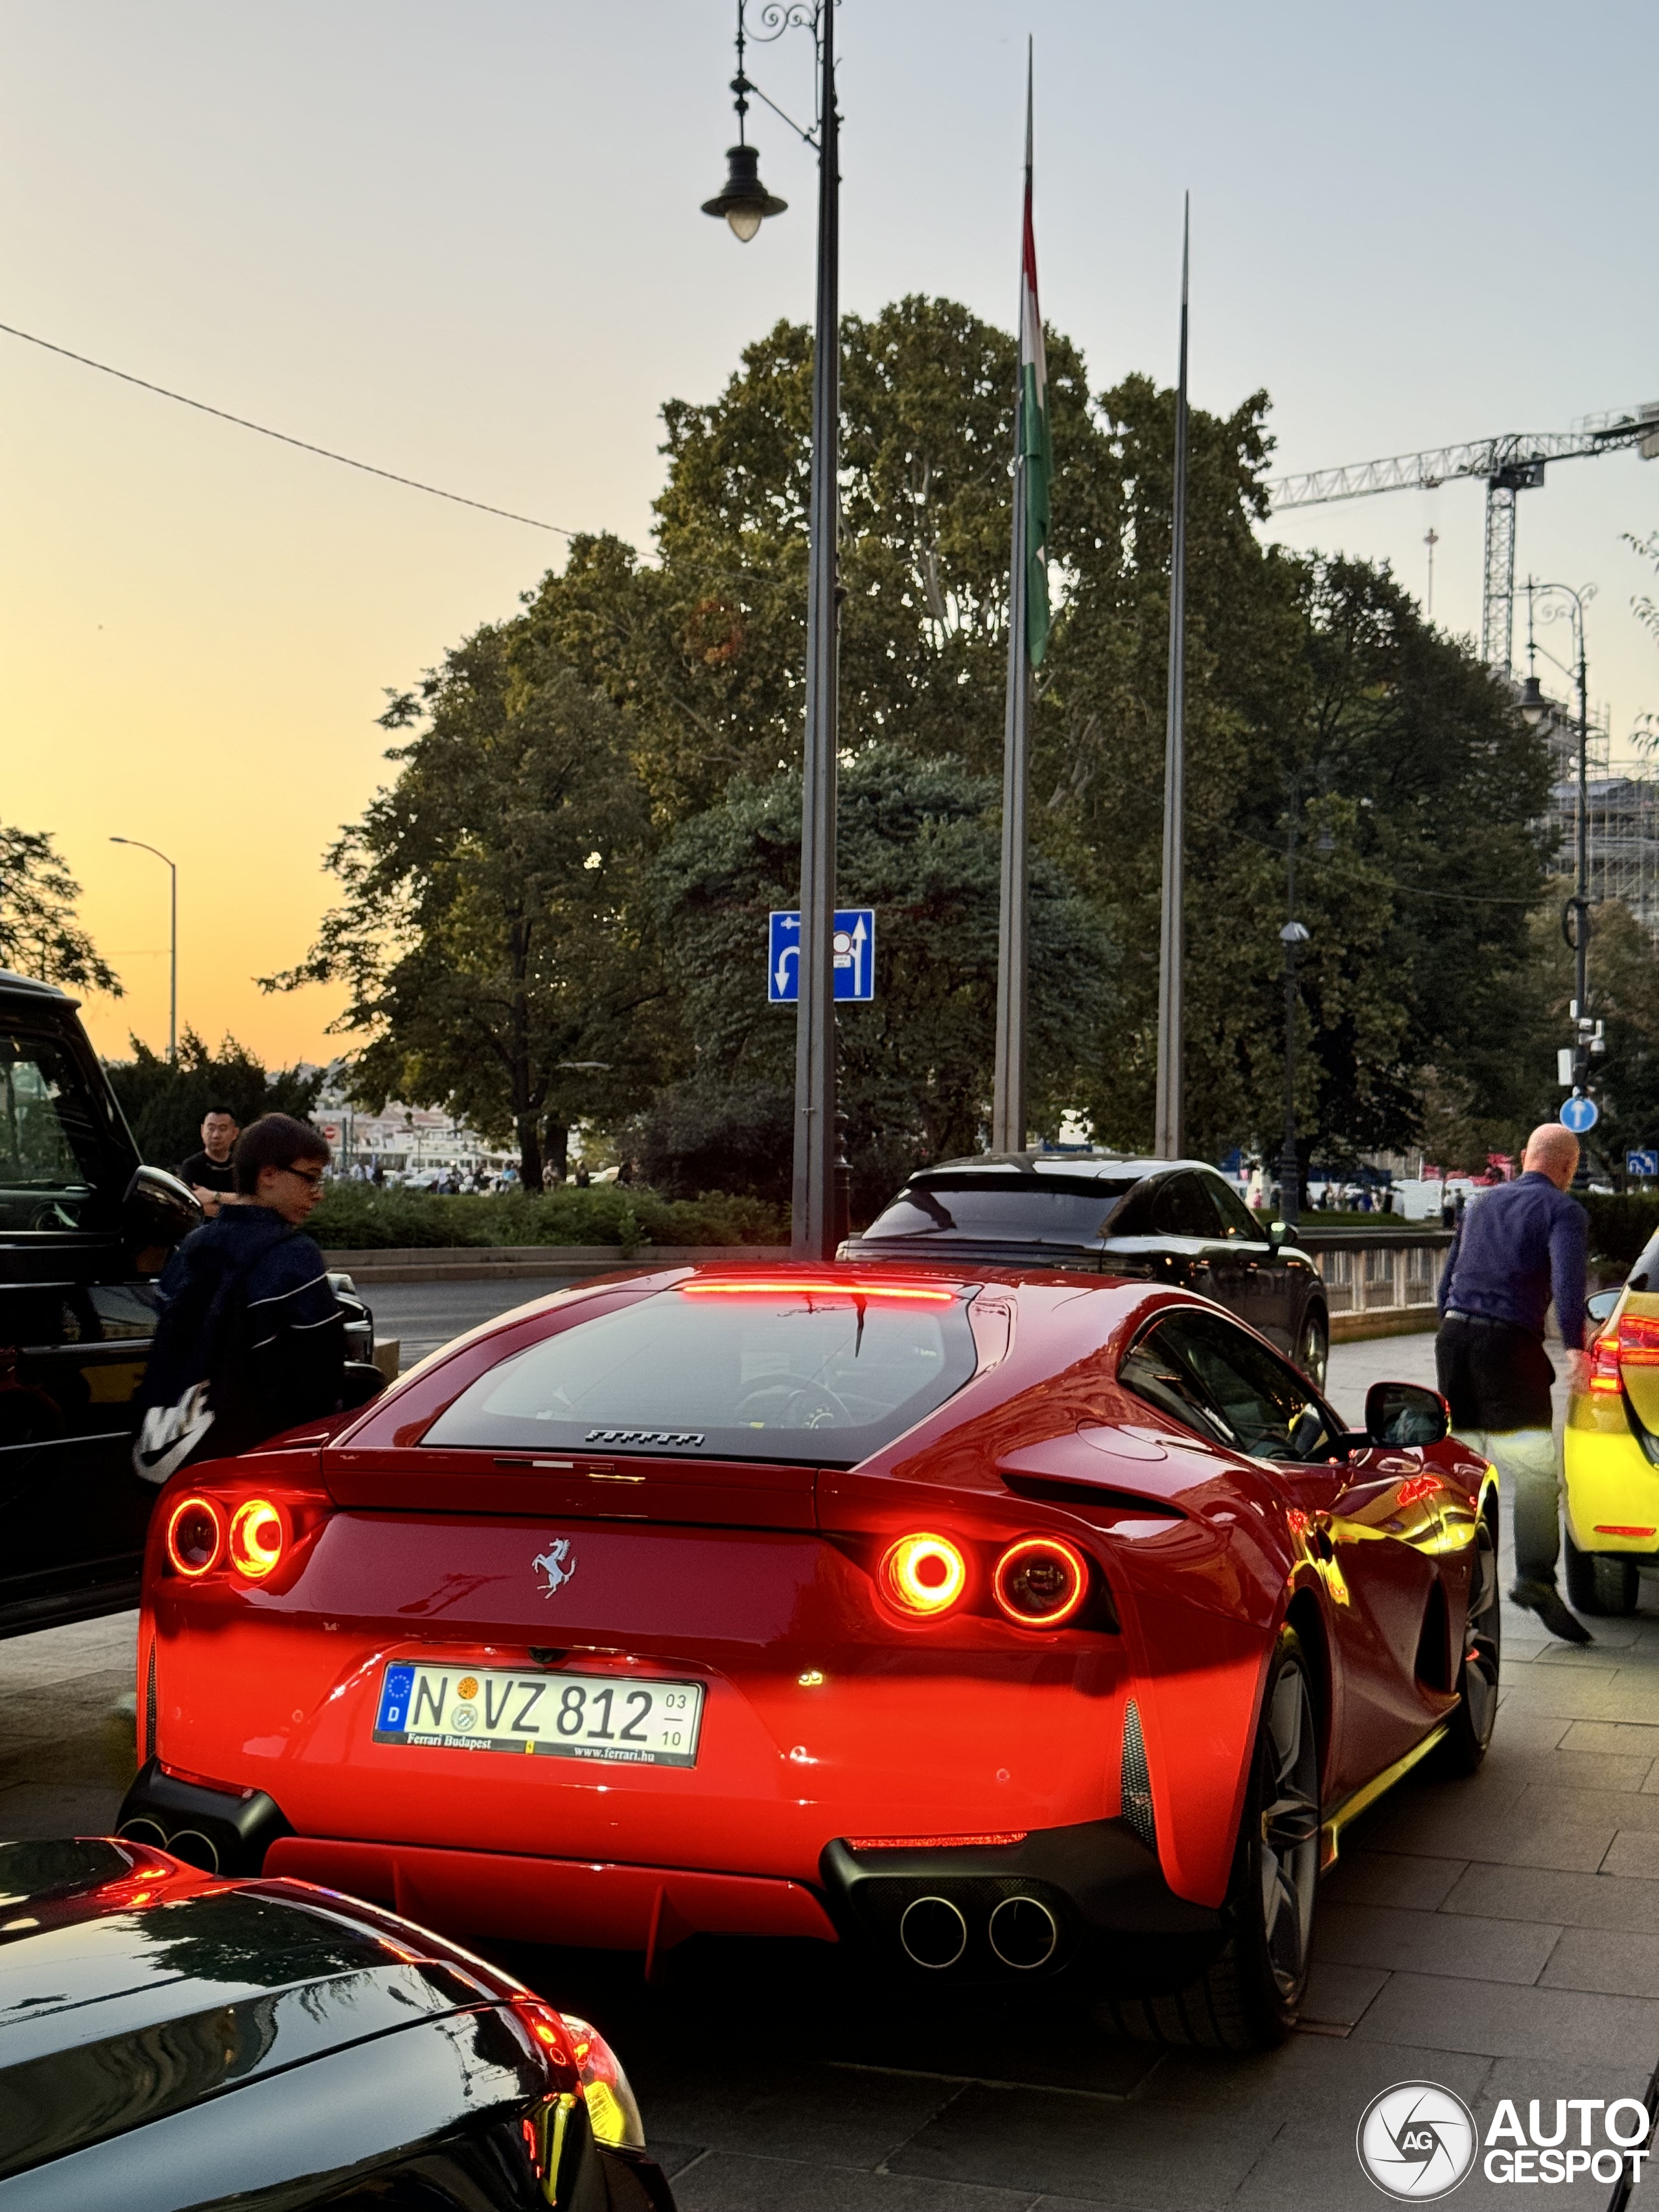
x=923, y=1575
x=235, y=1539
x=1634, y=1342
x=1041, y=1581
x=258, y=1537
x=195, y=1535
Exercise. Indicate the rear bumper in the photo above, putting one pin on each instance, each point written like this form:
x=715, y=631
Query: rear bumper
x=1610, y=1482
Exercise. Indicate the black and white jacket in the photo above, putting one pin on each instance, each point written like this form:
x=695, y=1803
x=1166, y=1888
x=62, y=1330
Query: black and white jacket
x=250, y=1341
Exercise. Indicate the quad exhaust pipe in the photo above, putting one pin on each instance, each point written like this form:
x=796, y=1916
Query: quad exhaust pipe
x=1022, y=1932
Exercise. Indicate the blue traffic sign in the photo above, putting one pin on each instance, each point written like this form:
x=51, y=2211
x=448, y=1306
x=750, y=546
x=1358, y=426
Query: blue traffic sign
x=1580, y=1114
x=855, y=954
x=1642, y=1163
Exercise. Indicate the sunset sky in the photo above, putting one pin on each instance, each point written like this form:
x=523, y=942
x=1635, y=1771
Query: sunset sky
x=464, y=242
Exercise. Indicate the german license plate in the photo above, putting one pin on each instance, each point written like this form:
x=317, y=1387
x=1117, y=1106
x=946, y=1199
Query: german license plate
x=594, y=1716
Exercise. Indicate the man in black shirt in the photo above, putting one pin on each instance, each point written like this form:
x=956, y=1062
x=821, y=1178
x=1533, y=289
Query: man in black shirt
x=209, y=1172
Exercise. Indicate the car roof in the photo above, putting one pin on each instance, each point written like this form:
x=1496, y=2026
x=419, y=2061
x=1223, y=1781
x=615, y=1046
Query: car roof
x=1100, y=1166
x=31, y=985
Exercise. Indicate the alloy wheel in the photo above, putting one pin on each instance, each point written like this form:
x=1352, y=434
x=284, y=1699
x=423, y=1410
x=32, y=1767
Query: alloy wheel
x=1289, y=1856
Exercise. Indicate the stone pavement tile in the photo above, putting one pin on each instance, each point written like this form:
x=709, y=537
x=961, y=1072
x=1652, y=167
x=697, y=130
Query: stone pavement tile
x=1587, y=1807
x=1422, y=1943
x=1512, y=1838
x=1631, y=1739
x=722, y=2182
x=1633, y=1851
x=1306, y=2074
x=1338, y=1995
x=1057, y=2045
x=1622, y=1695
x=1528, y=1732
x=1390, y=1878
x=829, y=2115
x=1621, y=1963
x=1092, y=2147
x=1437, y=2013
x=31, y=1810
x=55, y=1654
x=1311, y=2166
x=1571, y=1900
x=1589, y=1770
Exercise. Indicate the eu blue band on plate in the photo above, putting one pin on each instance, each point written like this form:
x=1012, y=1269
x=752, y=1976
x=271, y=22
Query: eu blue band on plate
x=394, y=1697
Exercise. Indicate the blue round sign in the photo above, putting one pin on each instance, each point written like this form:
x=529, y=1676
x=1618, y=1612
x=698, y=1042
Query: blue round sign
x=1579, y=1113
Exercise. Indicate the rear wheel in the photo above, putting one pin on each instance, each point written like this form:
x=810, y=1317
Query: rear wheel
x=1470, y=1730
x=1601, y=1582
x=1247, y=1999
x=1313, y=1352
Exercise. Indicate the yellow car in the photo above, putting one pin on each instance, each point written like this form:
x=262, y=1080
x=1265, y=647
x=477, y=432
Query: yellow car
x=1612, y=1449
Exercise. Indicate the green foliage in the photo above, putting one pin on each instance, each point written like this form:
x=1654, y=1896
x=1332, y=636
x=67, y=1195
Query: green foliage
x=1620, y=1223
x=40, y=935
x=164, y=1101
x=356, y=1217
x=490, y=935
x=918, y=841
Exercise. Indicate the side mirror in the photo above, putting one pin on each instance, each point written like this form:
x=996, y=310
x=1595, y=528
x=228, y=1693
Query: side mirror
x=359, y=1383
x=157, y=1212
x=1278, y=1234
x=1406, y=1413
x=1600, y=1305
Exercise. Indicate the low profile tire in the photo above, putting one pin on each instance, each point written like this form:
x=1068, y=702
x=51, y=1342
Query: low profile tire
x=1601, y=1582
x=1472, y=1722
x=1313, y=1354
x=1247, y=1998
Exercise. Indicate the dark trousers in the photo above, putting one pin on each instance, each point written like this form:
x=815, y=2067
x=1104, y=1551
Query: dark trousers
x=1496, y=1378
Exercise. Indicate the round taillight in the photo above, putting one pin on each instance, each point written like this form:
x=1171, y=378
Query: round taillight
x=259, y=1535
x=1041, y=1581
x=195, y=1535
x=924, y=1574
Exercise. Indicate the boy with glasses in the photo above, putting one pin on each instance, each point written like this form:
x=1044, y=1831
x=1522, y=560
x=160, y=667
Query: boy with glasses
x=251, y=1340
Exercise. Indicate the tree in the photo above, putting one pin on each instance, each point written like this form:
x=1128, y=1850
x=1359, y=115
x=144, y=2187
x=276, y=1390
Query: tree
x=919, y=841
x=490, y=935
x=164, y=1100
x=40, y=935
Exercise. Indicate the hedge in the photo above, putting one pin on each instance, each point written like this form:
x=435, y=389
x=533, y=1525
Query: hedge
x=356, y=1217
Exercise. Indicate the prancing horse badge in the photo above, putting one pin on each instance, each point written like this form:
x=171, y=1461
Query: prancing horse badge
x=556, y=1563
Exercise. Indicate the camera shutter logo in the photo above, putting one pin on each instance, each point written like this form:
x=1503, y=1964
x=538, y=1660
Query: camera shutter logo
x=1417, y=2141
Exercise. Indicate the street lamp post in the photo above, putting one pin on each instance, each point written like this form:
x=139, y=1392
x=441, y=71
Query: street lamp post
x=172, y=982
x=1292, y=937
x=1575, y=914
x=744, y=204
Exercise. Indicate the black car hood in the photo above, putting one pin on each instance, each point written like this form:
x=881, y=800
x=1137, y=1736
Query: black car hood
x=122, y=2001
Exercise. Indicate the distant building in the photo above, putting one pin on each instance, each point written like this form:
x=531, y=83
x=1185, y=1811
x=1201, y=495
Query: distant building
x=402, y=1140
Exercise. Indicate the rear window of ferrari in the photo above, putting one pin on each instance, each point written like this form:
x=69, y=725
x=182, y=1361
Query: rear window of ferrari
x=709, y=1371
x=1027, y=1209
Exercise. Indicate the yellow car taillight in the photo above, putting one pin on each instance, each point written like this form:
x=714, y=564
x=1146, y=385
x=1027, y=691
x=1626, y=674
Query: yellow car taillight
x=1633, y=1343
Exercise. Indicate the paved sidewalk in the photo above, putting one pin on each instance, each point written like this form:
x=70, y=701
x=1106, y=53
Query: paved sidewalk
x=1499, y=1935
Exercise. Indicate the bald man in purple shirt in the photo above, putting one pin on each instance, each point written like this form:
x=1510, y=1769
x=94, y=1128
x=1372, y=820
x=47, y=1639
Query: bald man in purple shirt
x=1515, y=1248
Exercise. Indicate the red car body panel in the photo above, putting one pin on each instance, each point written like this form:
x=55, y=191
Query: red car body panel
x=825, y=1716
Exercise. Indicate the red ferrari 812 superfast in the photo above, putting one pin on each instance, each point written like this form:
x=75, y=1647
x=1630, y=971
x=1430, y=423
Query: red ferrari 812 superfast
x=1009, y=1626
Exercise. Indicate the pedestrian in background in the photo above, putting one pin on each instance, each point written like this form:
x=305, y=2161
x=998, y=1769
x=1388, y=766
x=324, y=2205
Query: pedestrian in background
x=251, y=1339
x=1524, y=1241
x=209, y=1172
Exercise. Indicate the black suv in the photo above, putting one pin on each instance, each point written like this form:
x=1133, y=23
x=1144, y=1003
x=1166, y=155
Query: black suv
x=1169, y=1221
x=85, y=1228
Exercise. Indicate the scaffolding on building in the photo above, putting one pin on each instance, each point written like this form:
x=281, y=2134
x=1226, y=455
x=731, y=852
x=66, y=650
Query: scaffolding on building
x=1624, y=820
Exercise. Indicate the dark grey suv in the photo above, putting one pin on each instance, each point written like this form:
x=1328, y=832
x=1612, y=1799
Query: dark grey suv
x=1168, y=1221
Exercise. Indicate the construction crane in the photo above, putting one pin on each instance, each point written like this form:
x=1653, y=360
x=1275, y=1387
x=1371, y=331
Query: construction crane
x=1512, y=464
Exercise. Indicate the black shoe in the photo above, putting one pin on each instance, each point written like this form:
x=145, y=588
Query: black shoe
x=1545, y=1600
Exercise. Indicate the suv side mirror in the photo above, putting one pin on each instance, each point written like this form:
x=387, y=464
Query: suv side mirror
x=1278, y=1234
x=1406, y=1413
x=157, y=1212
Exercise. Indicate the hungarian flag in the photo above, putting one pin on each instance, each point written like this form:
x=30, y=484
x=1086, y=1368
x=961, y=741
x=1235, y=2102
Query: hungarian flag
x=1035, y=449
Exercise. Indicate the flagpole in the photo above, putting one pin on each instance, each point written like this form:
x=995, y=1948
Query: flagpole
x=1167, y=1143
x=1008, y=1097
